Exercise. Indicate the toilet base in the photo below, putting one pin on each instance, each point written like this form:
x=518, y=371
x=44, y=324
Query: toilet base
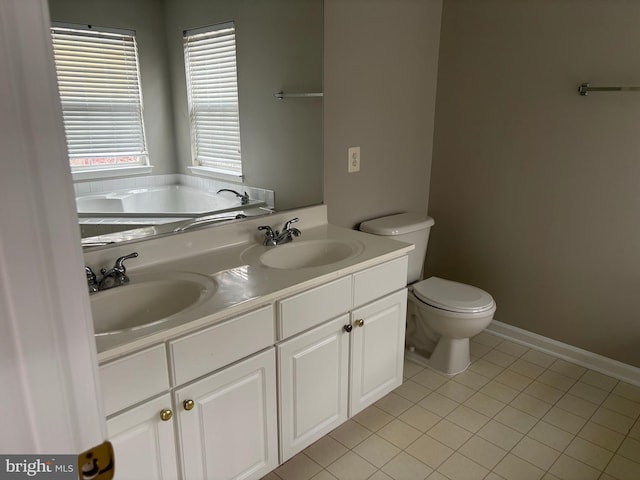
x=450, y=357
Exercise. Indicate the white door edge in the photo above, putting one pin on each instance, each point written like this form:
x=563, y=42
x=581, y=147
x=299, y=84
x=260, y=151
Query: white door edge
x=50, y=394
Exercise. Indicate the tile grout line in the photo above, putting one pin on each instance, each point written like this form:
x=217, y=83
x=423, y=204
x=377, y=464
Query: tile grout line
x=538, y=420
x=473, y=434
x=576, y=435
x=626, y=436
x=601, y=472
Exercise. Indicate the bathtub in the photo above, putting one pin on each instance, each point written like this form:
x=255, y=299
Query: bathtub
x=161, y=201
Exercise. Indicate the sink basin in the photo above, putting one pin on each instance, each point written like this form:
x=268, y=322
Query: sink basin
x=303, y=254
x=148, y=300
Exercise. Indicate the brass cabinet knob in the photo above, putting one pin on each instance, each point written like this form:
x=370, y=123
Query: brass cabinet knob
x=166, y=415
x=347, y=328
x=188, y=404
x=360, y=322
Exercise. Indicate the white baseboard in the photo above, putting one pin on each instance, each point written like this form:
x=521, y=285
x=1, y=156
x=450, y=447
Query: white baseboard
x=593, y=361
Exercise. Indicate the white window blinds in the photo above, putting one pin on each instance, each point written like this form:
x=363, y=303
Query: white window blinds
x=99, y=83
x=210, y=61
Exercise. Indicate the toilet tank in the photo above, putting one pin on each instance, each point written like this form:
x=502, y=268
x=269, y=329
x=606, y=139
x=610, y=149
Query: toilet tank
x=406, y=227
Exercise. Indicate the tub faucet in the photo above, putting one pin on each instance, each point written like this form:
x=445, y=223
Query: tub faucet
x=272, y=239
x=116, y=276
x=244, y=199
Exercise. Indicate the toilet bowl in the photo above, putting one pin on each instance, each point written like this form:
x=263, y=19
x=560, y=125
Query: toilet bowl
x=442, y=315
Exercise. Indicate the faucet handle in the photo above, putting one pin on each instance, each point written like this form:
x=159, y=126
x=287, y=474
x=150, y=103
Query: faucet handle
x=287, y=225
x=92, y=280
x=118, y=266
x=269, y=235
x=91, y=277
x=117, y=275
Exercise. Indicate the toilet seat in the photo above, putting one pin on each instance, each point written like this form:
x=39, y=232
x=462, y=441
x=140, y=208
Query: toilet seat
x=453, y=296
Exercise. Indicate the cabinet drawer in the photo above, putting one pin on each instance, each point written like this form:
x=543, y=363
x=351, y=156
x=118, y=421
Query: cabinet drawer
x=310, y=308
x=378, y=281
x=131, y=379
x=213, y=348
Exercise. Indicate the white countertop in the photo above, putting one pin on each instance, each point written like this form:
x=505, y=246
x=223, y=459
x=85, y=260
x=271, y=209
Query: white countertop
x=243, y=285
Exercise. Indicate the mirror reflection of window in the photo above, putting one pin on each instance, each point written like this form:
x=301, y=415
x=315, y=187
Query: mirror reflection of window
x=99, y=84
x=212, y=85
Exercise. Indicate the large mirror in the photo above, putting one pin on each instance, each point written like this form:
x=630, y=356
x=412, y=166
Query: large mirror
x=279, y=48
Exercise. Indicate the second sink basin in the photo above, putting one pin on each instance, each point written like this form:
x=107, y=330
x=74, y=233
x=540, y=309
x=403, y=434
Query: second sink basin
x=303, y=254
x=148, y=300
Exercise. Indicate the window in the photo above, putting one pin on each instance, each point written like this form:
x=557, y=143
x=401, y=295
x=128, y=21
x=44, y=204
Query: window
x=99, y=83
x=212, y=86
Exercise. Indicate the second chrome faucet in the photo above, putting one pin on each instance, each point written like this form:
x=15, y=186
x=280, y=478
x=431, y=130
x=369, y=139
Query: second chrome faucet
x=273, y=238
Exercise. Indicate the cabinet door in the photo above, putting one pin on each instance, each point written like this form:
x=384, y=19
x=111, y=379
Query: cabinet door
x=313, y=385
x=377, y=349
x=144, y=445
x=228, y=423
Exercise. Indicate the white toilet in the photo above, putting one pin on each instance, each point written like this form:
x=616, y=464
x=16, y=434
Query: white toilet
x=441, y=315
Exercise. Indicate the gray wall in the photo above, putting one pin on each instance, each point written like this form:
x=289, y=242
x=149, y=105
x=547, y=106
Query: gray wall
x=279, y=47
x=147, y=19
x=534, y=188
x=380, y=78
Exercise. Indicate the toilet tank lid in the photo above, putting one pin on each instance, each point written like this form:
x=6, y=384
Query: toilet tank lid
x=398, y=224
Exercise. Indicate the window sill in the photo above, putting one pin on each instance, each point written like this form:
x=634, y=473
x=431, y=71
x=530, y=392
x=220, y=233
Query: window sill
x=212, y=173
x=111, y=172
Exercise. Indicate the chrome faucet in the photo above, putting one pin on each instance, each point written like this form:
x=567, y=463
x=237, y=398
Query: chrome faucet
x=114, y=277
x=244, y=199
x=274, y=238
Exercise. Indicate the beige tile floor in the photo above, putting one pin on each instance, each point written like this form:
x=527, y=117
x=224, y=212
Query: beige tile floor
x=515, y=414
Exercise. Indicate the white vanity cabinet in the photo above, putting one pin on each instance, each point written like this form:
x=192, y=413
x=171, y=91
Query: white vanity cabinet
x=227, y=421
x=377, y=350
x=223, y=423
x=141, y=430
x=313, y=385
x=234, y=399
x=144, y=442
x=335, y=370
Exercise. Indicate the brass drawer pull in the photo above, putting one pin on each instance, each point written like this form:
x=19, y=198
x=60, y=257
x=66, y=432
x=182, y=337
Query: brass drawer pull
x=188, y=404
